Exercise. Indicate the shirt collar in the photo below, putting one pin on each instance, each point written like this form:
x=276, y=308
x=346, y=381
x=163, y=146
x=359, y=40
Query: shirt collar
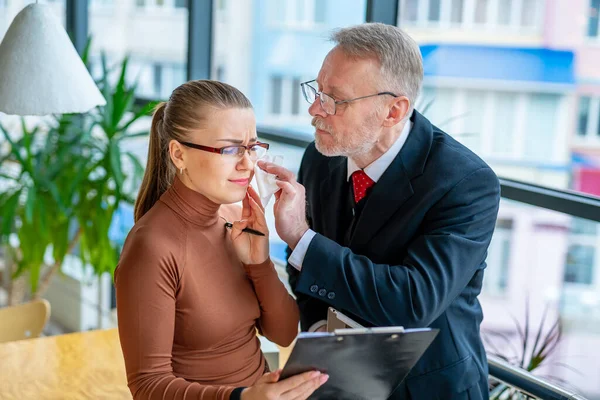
x=376, y=169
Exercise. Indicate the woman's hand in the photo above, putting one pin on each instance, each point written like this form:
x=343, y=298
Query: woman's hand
x=251, y=249
x=297, y=387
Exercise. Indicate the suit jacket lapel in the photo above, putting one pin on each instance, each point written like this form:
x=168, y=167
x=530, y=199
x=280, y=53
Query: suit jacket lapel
x=331, y=192
x=395, y=188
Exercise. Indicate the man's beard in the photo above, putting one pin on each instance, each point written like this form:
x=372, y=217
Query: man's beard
x=346, y=148
x=330, y=150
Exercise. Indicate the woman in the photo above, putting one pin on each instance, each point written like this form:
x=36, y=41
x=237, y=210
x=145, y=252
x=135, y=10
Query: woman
x=191, y=291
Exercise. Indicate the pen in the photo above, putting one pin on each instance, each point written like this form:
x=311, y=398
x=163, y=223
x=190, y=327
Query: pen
x=247, y=230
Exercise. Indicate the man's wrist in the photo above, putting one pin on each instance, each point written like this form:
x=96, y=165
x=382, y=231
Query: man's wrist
x=293, y=241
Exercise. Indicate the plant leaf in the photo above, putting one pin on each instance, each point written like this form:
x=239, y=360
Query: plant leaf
x=115, y=163
x=14, y=150
x=526, y=332
x=9, y=210
x=30, y=204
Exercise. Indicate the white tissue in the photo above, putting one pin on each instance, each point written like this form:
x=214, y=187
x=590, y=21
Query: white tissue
x=266, y=182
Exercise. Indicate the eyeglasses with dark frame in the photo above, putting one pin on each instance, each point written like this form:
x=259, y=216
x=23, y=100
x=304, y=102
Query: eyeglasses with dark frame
x=255, y=151
x=328, y=102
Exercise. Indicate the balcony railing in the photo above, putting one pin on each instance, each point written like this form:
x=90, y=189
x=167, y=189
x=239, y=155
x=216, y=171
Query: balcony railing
x=527, y=383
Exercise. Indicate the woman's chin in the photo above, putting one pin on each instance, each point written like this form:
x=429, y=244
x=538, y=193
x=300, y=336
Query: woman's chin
x=232, y=198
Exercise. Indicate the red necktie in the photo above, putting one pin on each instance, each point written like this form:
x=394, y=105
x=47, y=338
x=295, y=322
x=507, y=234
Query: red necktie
x=361, y=183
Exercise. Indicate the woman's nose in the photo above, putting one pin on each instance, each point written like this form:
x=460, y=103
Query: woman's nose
x=246, y=162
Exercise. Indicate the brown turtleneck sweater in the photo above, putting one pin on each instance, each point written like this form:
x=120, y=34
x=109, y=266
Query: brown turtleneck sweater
x=188, y=309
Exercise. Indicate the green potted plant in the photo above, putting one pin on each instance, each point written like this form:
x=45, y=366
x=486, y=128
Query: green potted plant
x=63, y=181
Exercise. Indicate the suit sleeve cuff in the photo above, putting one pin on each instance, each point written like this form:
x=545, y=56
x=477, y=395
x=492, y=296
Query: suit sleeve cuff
x=297, y=257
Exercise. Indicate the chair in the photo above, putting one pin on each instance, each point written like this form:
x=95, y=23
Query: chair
x=24, y=321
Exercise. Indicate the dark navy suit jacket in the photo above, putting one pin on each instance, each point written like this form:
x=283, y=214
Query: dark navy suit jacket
x=416, y=257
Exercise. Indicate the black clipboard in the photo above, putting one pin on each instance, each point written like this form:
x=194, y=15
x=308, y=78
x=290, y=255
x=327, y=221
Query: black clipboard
x=362, y=363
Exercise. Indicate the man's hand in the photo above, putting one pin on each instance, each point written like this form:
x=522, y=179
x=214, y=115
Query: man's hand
x=290, y=205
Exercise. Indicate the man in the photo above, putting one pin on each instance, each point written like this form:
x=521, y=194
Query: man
x=400, y=215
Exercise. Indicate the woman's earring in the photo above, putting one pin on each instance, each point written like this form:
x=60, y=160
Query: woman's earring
x=181, y=170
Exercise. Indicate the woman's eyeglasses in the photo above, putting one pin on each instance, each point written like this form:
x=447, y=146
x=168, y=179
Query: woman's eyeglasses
x=255, y=151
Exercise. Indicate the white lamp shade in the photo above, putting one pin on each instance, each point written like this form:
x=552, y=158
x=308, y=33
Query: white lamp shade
x=40, y=71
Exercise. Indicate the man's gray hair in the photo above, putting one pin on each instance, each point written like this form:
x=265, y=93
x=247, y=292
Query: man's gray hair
x=398, y=54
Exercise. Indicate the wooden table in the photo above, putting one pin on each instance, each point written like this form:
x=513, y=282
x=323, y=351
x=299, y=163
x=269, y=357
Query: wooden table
x=84, y=365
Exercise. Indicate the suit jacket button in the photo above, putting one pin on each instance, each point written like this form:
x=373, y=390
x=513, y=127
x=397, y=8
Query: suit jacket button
x=314, y=288
x=322, y=292
x=331, y=295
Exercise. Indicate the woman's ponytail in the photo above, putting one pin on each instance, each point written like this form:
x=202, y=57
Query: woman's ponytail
x=159, y=169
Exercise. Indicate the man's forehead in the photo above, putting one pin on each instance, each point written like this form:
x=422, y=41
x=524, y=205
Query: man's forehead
x=333, y=73
x=342, y=72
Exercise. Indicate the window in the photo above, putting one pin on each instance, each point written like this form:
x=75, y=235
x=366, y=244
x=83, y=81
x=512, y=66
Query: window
x=295, y=13
x=504, y=13
x=161, y=3
x=499, y=126
x=473, y=128
x=593, y=19
x=456, y=16
x=156, y=44
x=296, y=96
x=580, y=264
x=495, y=281
x=439, y=102
x=540, y=126
x=320, y=10
x=528, y=13
x=584, y=115
x=103, y=3
x=155, y=80
x=409, y=12
x=276, y=89
x=157, y=70
x=588, y=122
x=481, y=7
x=286, y=99
x=221, y=73
x=434, y=10
x=504, y=125
x=584, y=227
x=472, y=14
